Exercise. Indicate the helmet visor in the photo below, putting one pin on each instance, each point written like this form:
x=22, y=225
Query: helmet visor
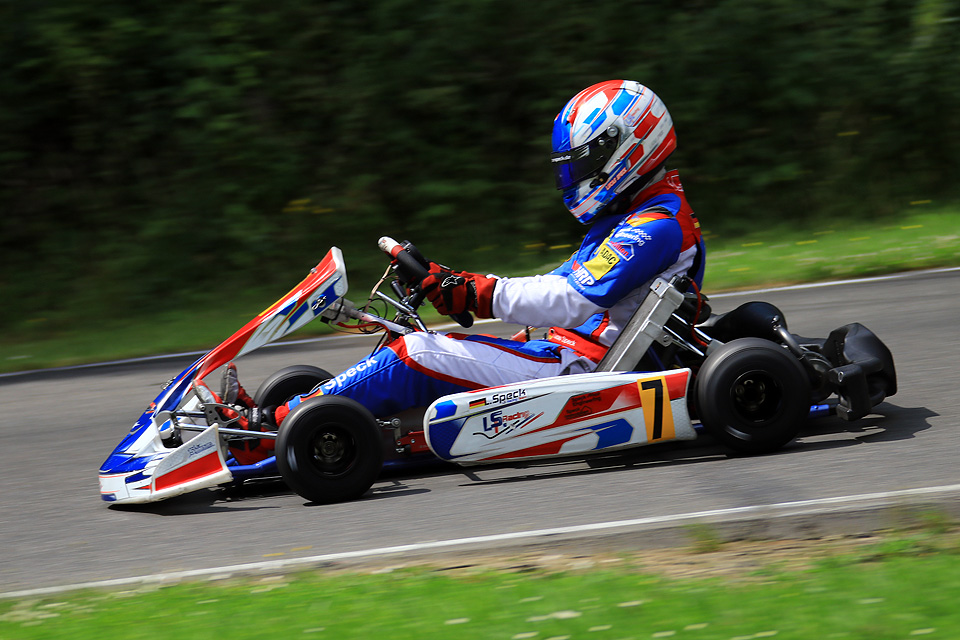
x=585, y=161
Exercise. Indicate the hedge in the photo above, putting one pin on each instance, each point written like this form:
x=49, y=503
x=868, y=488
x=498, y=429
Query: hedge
x=156, y=150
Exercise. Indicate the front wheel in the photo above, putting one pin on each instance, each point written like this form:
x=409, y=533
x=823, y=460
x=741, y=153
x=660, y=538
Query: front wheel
x=329, y=449
x=752, y=395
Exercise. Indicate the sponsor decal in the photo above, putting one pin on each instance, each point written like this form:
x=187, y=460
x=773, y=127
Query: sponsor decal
x=612, y=180
x=198, y=449
x=318, y=304
x=625, y=251
x=639, y=108
x=633, y=116
x=509, y=396
x=498, y=424
x=601, y=264
x=632, y=235
x=582, y=405
x=582, y=276
x=349, y=373
x=562, y=339
x=593, y=403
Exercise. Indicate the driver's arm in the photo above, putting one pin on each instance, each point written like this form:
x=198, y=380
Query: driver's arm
x=541, y=301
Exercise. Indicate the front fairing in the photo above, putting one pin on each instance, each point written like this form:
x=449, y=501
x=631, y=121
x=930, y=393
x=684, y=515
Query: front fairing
x=146, y=465
x=128, y=474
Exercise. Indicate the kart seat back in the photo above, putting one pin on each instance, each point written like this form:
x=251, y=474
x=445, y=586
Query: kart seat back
x=644, y=327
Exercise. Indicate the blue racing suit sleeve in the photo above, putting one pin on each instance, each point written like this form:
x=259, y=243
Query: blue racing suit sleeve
x=613, y=260
x=625, y=259
x=565, y=268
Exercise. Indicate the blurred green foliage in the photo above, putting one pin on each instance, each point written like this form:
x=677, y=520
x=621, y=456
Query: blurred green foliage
x=158, y=153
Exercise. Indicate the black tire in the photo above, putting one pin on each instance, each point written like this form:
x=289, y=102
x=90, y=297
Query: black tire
x=752, y=395
x=329, y=449
x=288, y=382
x=284, y=384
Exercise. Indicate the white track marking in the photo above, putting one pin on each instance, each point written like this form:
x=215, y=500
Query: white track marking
x=770, y=511
x=834, y=283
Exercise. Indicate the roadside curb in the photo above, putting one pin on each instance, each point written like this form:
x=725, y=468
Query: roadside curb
x=807, y=519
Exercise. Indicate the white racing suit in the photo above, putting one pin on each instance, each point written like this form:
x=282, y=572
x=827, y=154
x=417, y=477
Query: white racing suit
x=586, y=301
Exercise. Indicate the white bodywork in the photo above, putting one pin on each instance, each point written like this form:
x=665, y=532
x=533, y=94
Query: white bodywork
x=566, y=415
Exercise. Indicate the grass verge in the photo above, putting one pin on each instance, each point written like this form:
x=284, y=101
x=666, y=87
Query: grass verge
x=780, y=254
x=900, y=585
x=783, y=255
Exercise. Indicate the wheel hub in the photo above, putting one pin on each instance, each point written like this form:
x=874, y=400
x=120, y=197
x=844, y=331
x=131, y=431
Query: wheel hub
x=329, y=447
x=751, y=393
x=332, y=450
x=756, y=395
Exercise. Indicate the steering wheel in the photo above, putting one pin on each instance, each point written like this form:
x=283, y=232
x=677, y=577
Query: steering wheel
x=412, y=268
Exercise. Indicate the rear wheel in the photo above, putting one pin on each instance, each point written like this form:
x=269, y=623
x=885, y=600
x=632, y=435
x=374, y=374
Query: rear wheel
x=279, y=387
x=288, y=382
x=752, y=395
x=329, y=449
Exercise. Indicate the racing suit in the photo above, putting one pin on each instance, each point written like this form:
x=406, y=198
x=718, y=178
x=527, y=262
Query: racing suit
x=586, y=301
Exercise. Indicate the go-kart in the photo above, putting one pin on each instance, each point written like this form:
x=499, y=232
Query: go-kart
x=675, y=370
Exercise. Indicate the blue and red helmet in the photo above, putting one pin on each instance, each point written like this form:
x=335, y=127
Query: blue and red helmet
x=605, y=139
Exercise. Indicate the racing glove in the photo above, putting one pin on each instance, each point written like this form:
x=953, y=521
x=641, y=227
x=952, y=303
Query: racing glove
x=453, y=292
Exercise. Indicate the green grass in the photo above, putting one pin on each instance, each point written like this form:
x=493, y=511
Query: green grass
x=783, y=255
x=904, y=586
x=779, y=254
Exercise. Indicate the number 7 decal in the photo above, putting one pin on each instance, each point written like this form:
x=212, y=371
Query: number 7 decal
x=657, y=413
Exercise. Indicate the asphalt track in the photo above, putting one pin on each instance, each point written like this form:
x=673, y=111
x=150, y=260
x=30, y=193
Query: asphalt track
x=56, y=428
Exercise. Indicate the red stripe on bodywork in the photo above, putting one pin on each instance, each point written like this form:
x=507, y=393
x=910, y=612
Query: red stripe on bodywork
x=596, y=403
x=545, y=449
x=199, y=468
x=677, y=384
x=232, y=345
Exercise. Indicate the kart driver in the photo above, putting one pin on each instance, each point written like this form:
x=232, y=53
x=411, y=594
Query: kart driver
x=610, y=145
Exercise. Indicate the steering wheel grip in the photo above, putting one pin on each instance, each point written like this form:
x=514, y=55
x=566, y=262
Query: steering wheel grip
x=464, y=319
x=412, y=269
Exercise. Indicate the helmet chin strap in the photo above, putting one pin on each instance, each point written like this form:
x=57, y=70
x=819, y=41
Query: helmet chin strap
x=624, y=199
x=654, y=176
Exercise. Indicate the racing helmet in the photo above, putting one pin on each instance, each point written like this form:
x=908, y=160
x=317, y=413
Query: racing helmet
x=609, y=137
